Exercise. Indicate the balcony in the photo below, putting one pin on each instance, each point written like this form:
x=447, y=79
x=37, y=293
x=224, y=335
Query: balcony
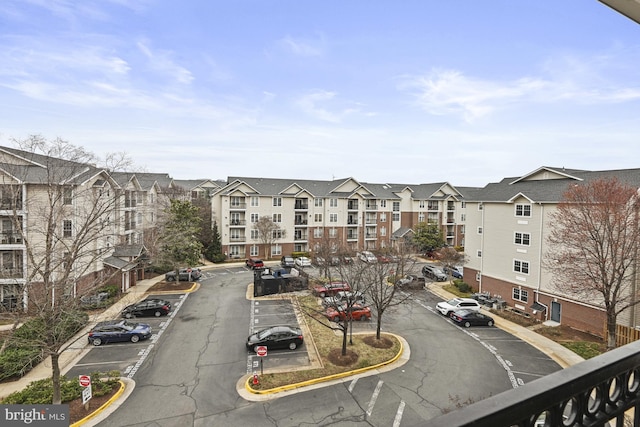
x=370, y=236
x=300, y=205
x=352, y=205
x=300, y=237
x=236, y=239
x=238, y=223
x=352, y=236
x=371, y=206
x=10, y=238
x=237, y=206
x=596, y=392
x=11, y=273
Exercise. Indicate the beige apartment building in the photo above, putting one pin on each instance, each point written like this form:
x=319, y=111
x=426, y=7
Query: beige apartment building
x=507, y=224
x=353, y=216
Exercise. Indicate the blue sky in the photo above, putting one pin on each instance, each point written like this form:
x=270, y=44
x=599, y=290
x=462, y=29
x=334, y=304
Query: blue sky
x=410, y=91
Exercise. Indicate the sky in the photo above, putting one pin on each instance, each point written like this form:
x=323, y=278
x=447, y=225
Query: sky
x=384, y=91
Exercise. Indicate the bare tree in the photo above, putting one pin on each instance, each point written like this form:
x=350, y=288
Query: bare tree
x=72, y=221
x=593, y=246
x=268, y=233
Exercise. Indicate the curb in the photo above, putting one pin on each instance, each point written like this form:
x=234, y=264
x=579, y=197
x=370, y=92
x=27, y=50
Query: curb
x=101, y=408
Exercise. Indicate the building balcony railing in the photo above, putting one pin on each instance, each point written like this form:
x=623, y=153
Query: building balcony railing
x=352, y=206
x=237, y=206
x=371, y=206
x=11, y=273
x=303, y=237
x=236, y=239
x=10, y=238
x=352, y=236
x=370, y=235
x=301, y=222
x=130, y=226
x=301, y=206
x=370, y=221
x=353, y=221
x=596, y=392
x=238, y=222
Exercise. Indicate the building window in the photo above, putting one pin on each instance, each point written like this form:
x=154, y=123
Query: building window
x=254, y=217
x=317, y=217
x=521, y=266
x=396, y=216
x=479, y=254
x=333, y=203
x=255, y=201
x=277, y=201
x=479, y=230
x=421, y=204
x=67, y=196
x=277, y=217
x=421, y=217
x=480, y=207
x=383, y=231
x=318, y=232
x=463, y=217
x=255, y=234
x=317, y=203
x=253, y=250
x=520, y=294
x=396, y=206
x=333, y=232
x=463, y=205
x=523, y=210
x=383, y=203
x=333, y=217
x=276, y=250
x=67, y=228
x=523, y=239
x=276, y=234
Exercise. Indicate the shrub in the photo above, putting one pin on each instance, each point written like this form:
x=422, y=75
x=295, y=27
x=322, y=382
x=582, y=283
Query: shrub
x=16, y=361
x=41, y=392
x=463, y=286
x=112, y=290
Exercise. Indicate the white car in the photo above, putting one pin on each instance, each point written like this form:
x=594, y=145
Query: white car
x=303, y=261
x=367, y=257
x=448, y=307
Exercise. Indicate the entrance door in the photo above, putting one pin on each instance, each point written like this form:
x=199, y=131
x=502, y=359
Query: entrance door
x=556, y=309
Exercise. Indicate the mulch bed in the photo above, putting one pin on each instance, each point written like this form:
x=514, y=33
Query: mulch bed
x=335, y=356
x=171, y=286
x=383, y=342
x=77, y=410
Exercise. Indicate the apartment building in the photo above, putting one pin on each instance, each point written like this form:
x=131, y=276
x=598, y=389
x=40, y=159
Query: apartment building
x=507, y=224
x=352, y=215
x=99, y=220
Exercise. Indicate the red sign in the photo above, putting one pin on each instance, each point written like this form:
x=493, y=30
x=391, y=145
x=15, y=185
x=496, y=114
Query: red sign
x=261, y=351
x=85, y=380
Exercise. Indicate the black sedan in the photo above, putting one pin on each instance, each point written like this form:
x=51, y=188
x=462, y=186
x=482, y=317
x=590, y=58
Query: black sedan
x=148, y=307
x=276, y=337
x=118, y=330
x=468, y=318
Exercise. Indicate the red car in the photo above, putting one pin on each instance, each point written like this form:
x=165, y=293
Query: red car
x=330, y=289
x=254, y=263
x=357, y=312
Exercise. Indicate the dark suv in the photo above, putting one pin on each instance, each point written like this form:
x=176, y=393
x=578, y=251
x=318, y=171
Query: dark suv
x=434, y=273
x=287, y=261
x=254, y=263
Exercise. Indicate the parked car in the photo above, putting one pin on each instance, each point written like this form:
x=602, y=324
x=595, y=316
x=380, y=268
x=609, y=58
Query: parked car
x=319, y=261
x=411, y=282
x=453, y=271
x=148, y=307
x=448, y=307
x=94, y=300
x=344, y=297
x=117, y=331
x=186, y=275
x=275, y=337
x=355, y=312
x=330, y=289
x=367, y=257
x=254, y=263
x=384, y=259
x=468, y=318
x=287, y=261
x=303, y=261
x=434, y=272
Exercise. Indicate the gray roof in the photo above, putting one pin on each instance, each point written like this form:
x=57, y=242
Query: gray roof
x=548, y=190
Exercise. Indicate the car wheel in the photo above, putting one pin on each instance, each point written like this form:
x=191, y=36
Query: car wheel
x=467, y=324
x=335, y=319
x=157, y=314
x=490, y=323
x=96, y=341
x=135, y=338
x=170, y=279
x=128, y=315
x=293, y=346
x=322, y=294
x=363, y=318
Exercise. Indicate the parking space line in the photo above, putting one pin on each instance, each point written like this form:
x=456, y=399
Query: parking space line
x=396, y=421
x=374, y=397
x=353, y=384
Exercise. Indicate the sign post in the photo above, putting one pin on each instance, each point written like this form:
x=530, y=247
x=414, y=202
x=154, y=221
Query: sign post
x=85, y=381
x=262, y=352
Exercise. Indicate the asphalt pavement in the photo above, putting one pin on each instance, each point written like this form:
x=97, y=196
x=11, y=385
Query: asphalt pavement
x=78, y=347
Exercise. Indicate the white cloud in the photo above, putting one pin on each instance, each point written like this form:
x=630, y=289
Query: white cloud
x=302, y=47
x=161, y=61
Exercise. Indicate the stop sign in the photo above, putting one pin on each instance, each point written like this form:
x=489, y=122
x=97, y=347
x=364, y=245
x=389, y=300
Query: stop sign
x=261, y=350
x=85, y=380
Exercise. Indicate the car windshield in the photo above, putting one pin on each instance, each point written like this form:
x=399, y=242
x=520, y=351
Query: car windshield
x=264, y=334
x=129, y=326
x=453, y=302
